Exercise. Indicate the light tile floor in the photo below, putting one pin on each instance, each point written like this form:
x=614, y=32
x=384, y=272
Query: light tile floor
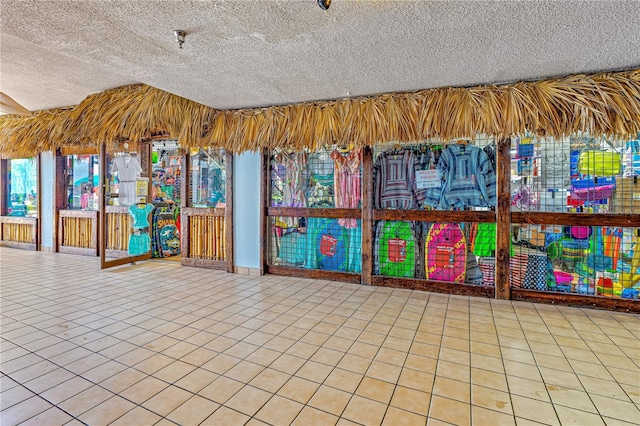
x=157, y=343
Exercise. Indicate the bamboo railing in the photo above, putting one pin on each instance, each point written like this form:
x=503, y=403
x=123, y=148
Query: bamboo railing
x=78, y=232
x=19, y=232
x=207, y=237
x=119, y=229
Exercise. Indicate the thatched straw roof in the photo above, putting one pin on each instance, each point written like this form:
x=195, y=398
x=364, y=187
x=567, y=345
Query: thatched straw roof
x=600, y=104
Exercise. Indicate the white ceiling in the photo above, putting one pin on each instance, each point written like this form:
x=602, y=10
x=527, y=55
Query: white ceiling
x=246, y=53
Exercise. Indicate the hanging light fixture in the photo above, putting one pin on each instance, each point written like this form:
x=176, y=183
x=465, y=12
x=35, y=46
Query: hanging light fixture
x=180, y=36
x=324, y=4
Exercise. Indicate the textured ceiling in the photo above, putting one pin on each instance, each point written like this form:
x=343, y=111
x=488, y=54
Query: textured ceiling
x=246, y=53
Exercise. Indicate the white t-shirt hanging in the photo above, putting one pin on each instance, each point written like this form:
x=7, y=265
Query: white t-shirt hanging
x=128, y=169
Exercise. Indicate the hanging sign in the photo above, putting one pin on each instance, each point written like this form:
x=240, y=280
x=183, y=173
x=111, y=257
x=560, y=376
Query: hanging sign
x=428, y=179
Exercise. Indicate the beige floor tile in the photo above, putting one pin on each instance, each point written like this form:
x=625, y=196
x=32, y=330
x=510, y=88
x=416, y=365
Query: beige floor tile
x=602, y=387
x=193, y=411
x=52, y=416
x=248, y=400
x=354, y=363
x=299, y=389
x=137, y=416
x=616, y=408
x=279, y=410
x=343, y=380
x=376, y=390
x=85, y=400
x=24, y=410
x=311, y=416
x=489, y=379
x=270, y=380
x=571, y=416
x=395, y=416
x=449, y=410
x=326, y=356
x=197, y=380
x=452, y=389
x=330, y=400
x=532, y=409
x=364, y=411
x=287, y=363
x=221, y=389
x=14, y=396
x=174, y=371
x=633, y=391
x=571, y=398
x=491, y=399
x=484, y=416
x=221, y=363
x=108, y=411
x=66, y=390
x=225, y=416
x=561, y=378
x=453, y=371
x=123, y=380
x=263, y=356
x=383, y=371
x=528, y=388
x=314, y=371
x=416, y=380
x=144, y=389
x=411, y=400
x=244, y=371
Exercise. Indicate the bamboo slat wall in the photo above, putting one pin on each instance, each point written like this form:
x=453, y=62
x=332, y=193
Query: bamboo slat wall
x=17, y=232
x=207, y=237
x=77, y=232
x=118, y=231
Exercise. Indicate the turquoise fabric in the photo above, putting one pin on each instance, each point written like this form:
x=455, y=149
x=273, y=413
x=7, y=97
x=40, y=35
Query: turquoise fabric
x=140, y=215
x=139, y=244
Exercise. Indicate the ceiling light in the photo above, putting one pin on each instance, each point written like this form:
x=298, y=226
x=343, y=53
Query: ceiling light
x=324, y=4
x=180, y=36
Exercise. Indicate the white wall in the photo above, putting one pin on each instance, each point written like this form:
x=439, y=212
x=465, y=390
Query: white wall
x=47, y=198
x=246, y=210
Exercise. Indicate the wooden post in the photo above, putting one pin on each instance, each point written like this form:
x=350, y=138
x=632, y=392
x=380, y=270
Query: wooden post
x=264, y=205
x=4, y=186
x=503, y=219
x=61, y=200
x=367, y=216
x=185, y=172
x=228, y=213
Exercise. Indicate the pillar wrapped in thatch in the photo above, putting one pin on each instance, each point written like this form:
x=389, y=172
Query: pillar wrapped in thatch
x=600, y=104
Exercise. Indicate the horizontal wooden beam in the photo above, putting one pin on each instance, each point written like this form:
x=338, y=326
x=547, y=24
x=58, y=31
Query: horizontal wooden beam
x=220, y=265
x=436, y=215
x=582, y=219
x=579, y=300
x=315, y=212
x=434, y=286
x=314, y=273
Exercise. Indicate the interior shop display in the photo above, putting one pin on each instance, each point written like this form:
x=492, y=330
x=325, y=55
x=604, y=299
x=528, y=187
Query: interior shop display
x=446, y=253
x=578, y=174
x=22, y=187
x=166, y=173
x=468, y=179
x=396, y=249
x=127, y=170
x=82, y=177
x=165, y=233
x=395, y=175
x=207, y=178
x=140, y=240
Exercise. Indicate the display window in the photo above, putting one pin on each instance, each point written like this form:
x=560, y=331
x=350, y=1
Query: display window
x=329, y=178
x=577, y=174
x=126, y=181
x=166, y=172
x=587, y=260
x=316, y=243
x=321, y=181
x=83, y=181
x=22, y=187
x=208, y=178
x=458, y=175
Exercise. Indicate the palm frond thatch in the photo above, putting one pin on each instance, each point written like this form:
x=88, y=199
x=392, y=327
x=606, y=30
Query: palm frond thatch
x=600, y=104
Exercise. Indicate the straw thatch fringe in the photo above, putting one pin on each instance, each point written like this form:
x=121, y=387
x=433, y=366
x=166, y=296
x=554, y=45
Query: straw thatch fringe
x=600, y=104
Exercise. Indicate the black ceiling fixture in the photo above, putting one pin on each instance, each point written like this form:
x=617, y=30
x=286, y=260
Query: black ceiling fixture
x=324, y=4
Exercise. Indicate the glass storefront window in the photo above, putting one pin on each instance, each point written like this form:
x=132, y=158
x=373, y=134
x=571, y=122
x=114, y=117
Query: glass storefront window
x=83, y=175
x=22, y=187
x=208, y=178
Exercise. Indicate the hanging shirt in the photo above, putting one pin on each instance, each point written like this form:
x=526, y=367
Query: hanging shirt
x=347, y=183
x=394, y=180
x=468, y=179
x=321, y=179
x=293, y=191
x=140, y=215
x=128, y=169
